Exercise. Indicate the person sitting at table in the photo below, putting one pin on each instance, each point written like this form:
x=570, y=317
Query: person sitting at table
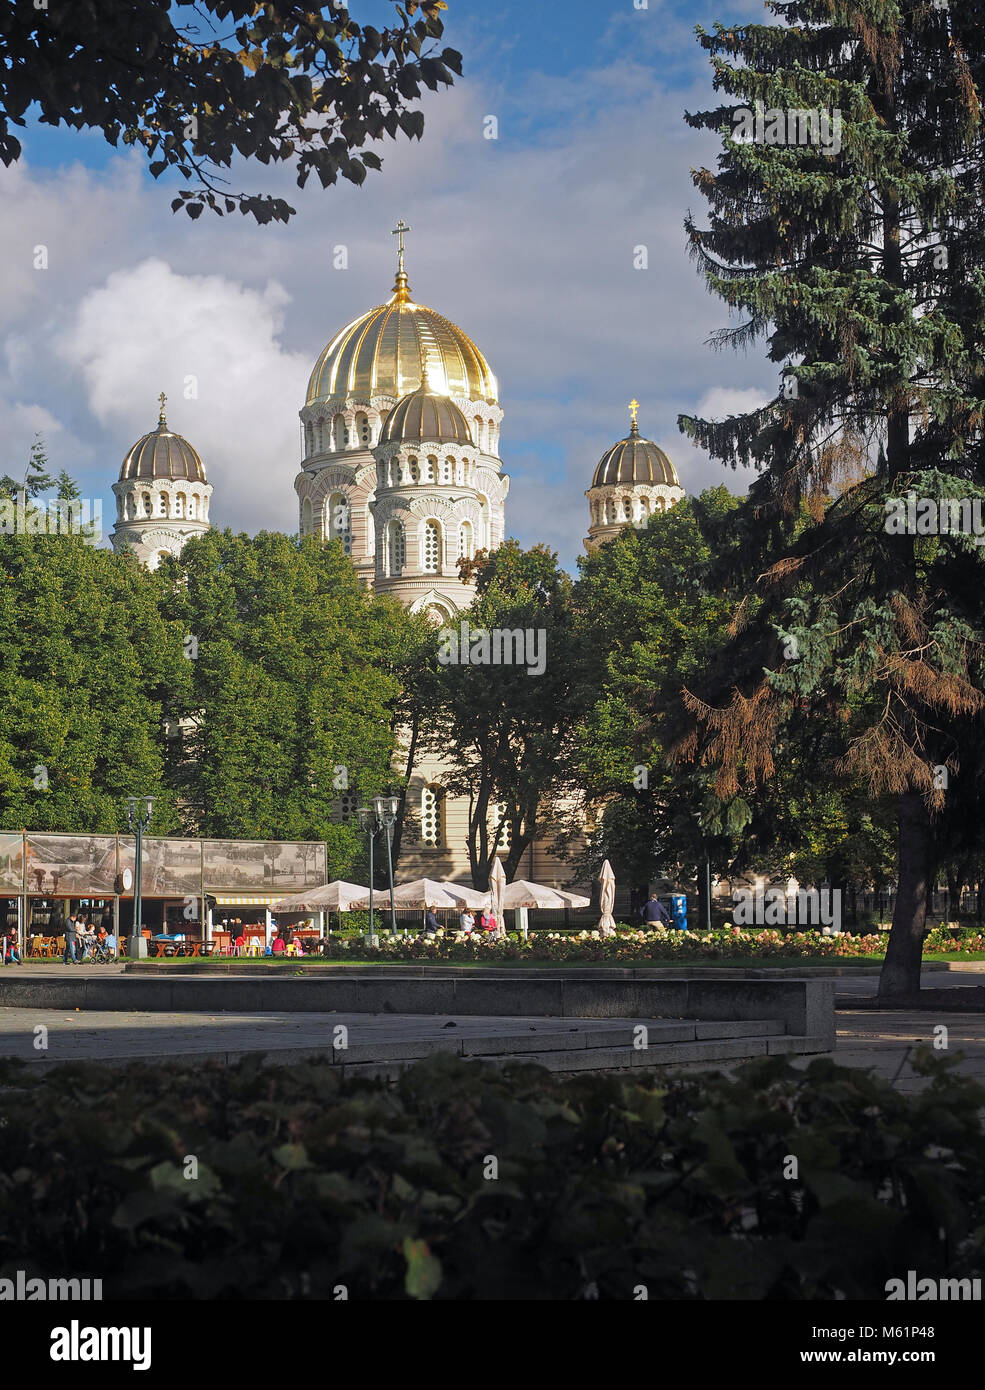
x=240, y=943
x=278, y=946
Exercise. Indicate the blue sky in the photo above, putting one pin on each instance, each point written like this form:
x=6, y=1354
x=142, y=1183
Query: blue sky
x=527, y=242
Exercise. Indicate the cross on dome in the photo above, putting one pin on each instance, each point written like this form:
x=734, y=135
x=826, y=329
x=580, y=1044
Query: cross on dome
x=634, y=407
x=400, y=286
x=162, y=398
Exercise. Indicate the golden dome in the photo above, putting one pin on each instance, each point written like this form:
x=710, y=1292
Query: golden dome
x=424, y=417
x=390, y=350
x=635, y=460
x=163, y=454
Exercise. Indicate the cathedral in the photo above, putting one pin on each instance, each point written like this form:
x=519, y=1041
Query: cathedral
x=400, y=445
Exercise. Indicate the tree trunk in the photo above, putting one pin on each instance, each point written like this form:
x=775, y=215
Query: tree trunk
x=901, y=971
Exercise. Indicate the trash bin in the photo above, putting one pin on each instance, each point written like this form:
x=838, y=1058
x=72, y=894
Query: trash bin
x=678, y=910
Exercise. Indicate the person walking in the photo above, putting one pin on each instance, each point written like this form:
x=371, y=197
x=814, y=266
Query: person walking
x=71, y=940
x=654, y=911
x=11, y=952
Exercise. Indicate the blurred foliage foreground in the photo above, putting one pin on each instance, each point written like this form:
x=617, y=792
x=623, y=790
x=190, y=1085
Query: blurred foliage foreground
x=466, y=1181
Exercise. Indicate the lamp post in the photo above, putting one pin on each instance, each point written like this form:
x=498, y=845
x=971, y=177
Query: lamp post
x=367, y=823
x=140, y=810
x=386, y=808
x=381, y=815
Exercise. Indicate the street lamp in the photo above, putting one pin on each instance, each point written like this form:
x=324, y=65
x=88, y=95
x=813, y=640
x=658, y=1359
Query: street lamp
x=382, y=815
x=140, y=810
x=386, y=808
x=367, y=823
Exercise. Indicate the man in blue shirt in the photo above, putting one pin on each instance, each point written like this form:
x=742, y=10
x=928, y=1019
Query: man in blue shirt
x=654, y=911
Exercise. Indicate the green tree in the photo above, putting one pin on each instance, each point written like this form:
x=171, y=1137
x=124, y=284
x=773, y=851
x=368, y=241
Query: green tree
x=293, y=687
x=861, y=268
x=505, y=730
x=88, y=663
x=195, y=86
x=646, y=618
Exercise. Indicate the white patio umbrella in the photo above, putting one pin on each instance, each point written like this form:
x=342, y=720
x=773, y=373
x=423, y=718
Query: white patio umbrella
x=420, y=892
x=607, y=898
x=497, y=887
x=330, y=897
x=573, y=899
x=522, y=893
x=467, y=897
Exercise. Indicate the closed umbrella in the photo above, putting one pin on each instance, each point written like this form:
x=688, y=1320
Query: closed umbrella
x=497, y=887
x=607, y=897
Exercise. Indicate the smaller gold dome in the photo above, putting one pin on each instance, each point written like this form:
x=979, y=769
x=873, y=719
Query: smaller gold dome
x=162, y=454
x=425, y=417
x=635, y=460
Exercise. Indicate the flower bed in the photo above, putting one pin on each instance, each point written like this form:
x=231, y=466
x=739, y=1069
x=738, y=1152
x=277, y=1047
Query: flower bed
x=727, y=943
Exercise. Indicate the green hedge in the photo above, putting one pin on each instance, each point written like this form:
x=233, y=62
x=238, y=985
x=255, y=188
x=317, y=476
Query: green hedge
x=605, y=1183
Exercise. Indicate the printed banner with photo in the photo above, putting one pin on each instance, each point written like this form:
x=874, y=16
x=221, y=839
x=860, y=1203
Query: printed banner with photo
x=172, y=868
x=11, y=863
x=81, y=866
x=295, y=866
x=235, y=864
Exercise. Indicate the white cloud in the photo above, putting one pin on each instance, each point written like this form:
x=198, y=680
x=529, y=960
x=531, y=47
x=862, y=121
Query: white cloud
x=214, y=347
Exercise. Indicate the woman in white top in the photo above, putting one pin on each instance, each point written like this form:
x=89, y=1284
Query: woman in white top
x=466, y=921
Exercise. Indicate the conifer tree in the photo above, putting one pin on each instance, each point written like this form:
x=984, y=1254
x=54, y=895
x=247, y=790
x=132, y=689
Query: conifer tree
x=856, y=256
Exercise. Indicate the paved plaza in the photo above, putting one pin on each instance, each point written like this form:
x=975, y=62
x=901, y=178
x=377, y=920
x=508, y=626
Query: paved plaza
x=883, y=1041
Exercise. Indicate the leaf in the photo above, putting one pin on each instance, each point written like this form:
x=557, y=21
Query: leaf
x=423, y=1277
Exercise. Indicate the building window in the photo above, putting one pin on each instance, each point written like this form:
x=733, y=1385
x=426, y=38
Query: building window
x=433, y=817
x=192, y=509
x=348, y=804
x=415, y=471
x=477, y=432
x=466, y=545
x=339, y=522
x=644, y=507
x=432, y=548
x=446, y=469
x=506, y=833
x=398, y=548
x=340, y=435
x=362, y=428
x=179, y=504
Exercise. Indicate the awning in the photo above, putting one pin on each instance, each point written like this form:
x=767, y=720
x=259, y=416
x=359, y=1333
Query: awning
x=247, y=902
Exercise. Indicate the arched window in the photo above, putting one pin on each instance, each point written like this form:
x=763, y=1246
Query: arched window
x=339, y=526
x=340, y=435
x=611, y=511
x=644, y=508
x=306, y=517
x=466, y=543
x=362, y=428
x=397, y=549
x=477, y=432
x=415, y=471
x=431, y=470
x=433, y=816
x=446, y=471
x=485, y=532
x=460, y=472
x=506, y=834
x=627, y=503
x=432, y=548
x=192, y=508
x=179, y=504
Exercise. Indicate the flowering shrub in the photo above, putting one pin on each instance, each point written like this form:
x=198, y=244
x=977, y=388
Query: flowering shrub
x=626, y=947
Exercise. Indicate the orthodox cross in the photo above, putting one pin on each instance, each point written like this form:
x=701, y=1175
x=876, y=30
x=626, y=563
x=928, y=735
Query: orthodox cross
x=399, y=231
x=162, y=398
